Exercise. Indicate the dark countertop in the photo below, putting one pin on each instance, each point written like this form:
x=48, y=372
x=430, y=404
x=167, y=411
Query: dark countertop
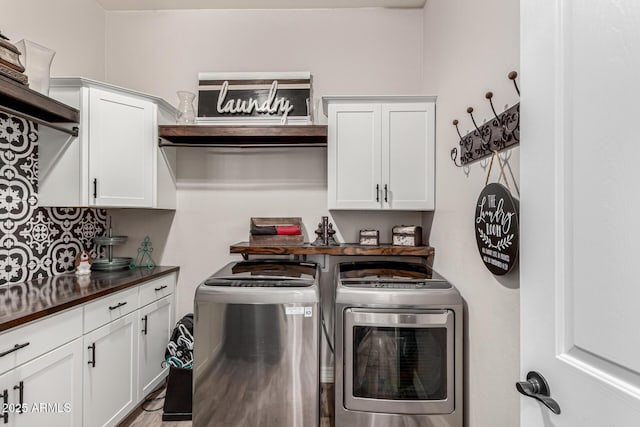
x=27, y=301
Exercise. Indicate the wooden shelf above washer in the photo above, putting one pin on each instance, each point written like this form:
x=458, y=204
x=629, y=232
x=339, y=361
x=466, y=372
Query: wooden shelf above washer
x=243, y=135
x=344, y=249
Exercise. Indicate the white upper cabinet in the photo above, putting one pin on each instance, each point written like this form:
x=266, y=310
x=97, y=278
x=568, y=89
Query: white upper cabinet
x=115, y=161
x=381, y=152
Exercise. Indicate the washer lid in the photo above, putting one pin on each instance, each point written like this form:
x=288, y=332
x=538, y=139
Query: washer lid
x=265, y=273
x=391, y=274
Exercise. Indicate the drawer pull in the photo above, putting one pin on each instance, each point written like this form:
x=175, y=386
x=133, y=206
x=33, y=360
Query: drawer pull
x=120, y=304
x=5, y=413
x=159, y=288
x=15, y=348
x=92, y=362
x=145, y=319
x=20, y=394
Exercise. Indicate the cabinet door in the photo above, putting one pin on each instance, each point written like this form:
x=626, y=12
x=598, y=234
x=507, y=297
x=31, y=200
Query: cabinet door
x=121, y=150
x=408, y=135
x=110, y=371
x=50, y=388
x=354, y=148
x=156, y=321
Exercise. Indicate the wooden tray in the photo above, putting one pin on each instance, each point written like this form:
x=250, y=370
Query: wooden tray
x=286, y=240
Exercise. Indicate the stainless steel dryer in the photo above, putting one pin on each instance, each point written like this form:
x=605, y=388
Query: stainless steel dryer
x=398, y=346
x=256, y=358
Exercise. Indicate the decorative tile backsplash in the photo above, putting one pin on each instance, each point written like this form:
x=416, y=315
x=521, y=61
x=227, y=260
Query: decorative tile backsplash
x=36, y=242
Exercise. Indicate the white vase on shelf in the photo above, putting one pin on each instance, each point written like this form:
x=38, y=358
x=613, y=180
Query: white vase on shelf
x=37, y=61
x=186, y=113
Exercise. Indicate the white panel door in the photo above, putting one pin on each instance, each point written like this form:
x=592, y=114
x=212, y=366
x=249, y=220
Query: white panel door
x=110, y=384
x=51, y=387
x=156, y=323
x=354, y=149
x=122, y=150
x=580, y=203
x=408, y=138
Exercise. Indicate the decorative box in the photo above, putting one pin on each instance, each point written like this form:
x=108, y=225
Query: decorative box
x=407, y=235
x=369, y=237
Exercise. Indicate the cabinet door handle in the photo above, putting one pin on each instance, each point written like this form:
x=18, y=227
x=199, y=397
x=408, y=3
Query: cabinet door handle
x=5, y=410
x=20, y=389
x=159, y=288
x=120, y=304
x=92, y=362
x=15, y=348
x=377, y=192
x=95, y=188
x=386, y=191
x=145, y=319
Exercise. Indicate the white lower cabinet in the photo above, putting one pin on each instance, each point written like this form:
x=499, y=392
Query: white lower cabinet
x=124, y=356
x=90, y=365
x=156, y=324
x=45, y=391
x=110, y=372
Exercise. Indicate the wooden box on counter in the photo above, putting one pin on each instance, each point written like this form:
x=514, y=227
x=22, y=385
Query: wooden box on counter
x=277, y=240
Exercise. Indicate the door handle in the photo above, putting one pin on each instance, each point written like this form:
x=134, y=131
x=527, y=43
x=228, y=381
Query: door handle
x=15, y=348
x=377, y=192
x=386, y=191
x=120, y=304
x=95, y=188
x=536, y=386
x=92, y=362
x=20, y=389
x=5, y=410
x=145, y=319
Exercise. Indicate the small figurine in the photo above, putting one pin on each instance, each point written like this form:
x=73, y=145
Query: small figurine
x=83, y=264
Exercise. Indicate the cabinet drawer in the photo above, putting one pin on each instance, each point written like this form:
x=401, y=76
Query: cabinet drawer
x=40, y=336
x=110, y=308
x=157, y=289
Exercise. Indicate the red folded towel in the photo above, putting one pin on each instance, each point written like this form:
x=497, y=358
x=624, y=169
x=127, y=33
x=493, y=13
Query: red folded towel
x=287, y=230
x=273, y=230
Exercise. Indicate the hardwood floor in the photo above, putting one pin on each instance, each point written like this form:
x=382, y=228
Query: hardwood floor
x=152, y=417
x=142, y=418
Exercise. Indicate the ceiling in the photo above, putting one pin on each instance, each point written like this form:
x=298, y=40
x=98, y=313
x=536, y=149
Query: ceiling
x=254, y=4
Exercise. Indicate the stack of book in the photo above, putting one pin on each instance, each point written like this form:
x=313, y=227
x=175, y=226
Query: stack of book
x=10, y=65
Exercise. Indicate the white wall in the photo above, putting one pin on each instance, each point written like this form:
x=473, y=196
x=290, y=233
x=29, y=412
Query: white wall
x=470, y=47
x=358, y=51
x=347, y=50
x=74, y=29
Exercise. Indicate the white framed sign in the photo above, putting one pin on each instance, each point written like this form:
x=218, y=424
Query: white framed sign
x=284, y=97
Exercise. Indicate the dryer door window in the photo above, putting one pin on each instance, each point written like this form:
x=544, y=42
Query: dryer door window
x=399, y=362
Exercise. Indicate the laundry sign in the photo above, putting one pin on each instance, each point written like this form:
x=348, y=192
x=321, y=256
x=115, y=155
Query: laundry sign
x=254, y=97
x=497, y=228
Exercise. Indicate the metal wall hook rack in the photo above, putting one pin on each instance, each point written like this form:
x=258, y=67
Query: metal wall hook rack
x=499, y=133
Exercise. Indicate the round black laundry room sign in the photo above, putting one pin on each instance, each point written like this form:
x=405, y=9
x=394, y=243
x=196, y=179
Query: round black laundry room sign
x=497, y=228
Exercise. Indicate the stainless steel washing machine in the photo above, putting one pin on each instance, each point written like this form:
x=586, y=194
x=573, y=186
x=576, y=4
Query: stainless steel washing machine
x=398, y=346
x=256, y=359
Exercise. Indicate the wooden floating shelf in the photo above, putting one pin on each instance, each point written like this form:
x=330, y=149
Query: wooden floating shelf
x=23, y=100
x=243, y=135
x=344, y=249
